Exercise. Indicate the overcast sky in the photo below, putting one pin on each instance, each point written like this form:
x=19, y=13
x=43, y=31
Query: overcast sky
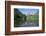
x=28, y=11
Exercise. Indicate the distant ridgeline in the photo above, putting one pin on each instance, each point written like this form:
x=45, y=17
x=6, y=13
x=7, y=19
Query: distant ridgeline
x=18, y=17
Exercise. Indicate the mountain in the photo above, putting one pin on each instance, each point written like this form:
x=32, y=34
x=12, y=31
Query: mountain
x=16, y=11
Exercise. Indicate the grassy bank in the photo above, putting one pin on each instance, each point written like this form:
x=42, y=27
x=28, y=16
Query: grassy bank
x=33, y=18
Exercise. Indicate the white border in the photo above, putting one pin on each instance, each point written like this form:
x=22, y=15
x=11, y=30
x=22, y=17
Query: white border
x=25, y=28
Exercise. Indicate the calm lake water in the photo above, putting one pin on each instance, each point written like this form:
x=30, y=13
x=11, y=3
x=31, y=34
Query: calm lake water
x=28, y=24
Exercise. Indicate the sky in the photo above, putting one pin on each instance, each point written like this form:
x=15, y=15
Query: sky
x=28, y=11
